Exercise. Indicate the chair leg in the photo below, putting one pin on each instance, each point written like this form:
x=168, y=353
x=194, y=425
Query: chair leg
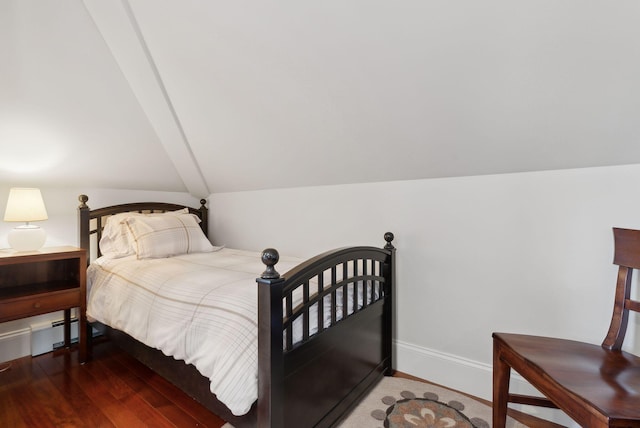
x=501, y=377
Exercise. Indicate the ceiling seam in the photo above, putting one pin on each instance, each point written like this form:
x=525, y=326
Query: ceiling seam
x=165, y=94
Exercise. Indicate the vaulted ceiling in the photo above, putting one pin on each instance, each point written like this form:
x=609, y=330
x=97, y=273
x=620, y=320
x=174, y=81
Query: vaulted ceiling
x=218, y=96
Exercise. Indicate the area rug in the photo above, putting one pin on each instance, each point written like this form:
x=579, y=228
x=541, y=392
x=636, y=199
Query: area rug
x=404, y=403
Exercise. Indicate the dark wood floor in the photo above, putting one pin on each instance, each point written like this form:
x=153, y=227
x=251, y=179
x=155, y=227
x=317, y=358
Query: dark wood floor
x=113, y=390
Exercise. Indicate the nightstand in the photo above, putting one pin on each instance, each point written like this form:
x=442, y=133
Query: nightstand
x=48, y=280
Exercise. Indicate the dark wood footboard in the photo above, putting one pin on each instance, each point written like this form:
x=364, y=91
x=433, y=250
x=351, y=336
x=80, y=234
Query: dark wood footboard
x=308, y=379
x=317, y=380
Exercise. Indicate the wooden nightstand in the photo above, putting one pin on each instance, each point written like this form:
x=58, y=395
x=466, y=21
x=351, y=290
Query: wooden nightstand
x=43, y=281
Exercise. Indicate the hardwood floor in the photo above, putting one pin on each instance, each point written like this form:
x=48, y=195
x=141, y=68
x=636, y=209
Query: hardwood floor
x=112, y=390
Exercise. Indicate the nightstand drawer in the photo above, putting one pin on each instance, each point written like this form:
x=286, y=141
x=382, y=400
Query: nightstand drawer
x=39, y=304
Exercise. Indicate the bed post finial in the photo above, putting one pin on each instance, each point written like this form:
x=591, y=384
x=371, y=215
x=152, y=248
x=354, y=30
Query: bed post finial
x=83, y=225
x=270, y=257
x=83, y=201
x=203, y=202
x=388, y=237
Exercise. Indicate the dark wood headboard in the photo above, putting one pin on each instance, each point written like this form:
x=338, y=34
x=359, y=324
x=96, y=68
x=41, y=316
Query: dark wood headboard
x=91, y=222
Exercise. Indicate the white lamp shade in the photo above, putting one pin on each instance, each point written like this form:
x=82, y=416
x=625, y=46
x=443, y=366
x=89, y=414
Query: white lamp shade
x=25, y=205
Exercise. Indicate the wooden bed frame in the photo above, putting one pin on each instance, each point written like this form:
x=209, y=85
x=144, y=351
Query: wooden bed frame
x=313, y=383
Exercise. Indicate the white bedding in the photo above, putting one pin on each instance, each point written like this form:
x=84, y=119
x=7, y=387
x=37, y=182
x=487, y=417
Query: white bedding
x=200, y=308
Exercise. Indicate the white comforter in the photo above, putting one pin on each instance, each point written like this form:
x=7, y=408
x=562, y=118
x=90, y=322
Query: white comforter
x=200, y=308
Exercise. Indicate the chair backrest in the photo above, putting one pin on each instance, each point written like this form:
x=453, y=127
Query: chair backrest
x=627, y=257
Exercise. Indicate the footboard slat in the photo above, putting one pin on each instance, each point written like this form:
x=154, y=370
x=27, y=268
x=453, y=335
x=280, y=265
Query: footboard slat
x=334, y=297
x=345, y=292
x=305, y=313
x=365, y=286
x=321, y=325
x=356, y=286
x=287, y=331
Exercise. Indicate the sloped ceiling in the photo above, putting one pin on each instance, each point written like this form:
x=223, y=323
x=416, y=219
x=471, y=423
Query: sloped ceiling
x=213, y=96
x=67, y=114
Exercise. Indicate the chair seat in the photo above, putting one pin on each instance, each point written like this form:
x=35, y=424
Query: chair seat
x=607, y=381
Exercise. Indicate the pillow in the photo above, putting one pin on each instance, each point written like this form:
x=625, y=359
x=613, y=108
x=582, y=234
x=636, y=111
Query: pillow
x=115, y=241
x=166, y=236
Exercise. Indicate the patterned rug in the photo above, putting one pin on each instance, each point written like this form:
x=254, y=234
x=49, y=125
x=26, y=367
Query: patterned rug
x=404, y=403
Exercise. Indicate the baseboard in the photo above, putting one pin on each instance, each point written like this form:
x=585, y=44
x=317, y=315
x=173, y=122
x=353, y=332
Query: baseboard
x=15, y=344
x=39, y=338
x=448, y=370
x=461, y=374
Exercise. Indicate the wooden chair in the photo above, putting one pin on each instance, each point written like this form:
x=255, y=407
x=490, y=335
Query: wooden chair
x=597, y=386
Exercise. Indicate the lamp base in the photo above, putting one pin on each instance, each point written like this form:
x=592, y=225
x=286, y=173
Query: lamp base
x=27, y=237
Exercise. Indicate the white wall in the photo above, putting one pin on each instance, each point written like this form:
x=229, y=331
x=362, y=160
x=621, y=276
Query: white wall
x=527, y=252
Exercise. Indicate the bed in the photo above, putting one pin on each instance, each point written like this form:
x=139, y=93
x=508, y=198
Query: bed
x=324, y=328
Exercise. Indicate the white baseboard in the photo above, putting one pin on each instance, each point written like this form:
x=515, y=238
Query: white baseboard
x=15, y=344
x=448, y=370
x=39, y=338
x=465, y=375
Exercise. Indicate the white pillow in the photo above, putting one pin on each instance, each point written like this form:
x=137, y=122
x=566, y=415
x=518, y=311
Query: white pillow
x=166, y=236
x=115, y=241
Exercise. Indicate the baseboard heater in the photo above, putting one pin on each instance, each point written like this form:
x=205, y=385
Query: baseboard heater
x=48, y=336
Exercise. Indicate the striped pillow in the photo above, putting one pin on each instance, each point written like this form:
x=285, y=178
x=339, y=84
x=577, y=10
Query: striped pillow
x=115, y=241
x=166, y=236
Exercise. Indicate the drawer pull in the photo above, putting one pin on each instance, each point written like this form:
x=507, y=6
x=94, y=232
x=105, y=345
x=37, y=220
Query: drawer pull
x=37, y=305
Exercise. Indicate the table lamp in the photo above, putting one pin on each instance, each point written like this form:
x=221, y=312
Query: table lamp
x=26, y=205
